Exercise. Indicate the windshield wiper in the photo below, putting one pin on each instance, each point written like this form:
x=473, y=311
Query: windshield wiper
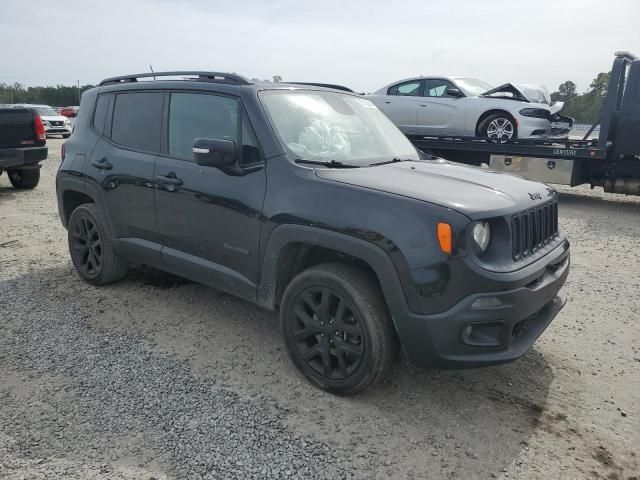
x=393, y=160
x=327, y=163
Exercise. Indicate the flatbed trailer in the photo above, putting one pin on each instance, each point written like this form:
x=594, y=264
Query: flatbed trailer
x=612, y=160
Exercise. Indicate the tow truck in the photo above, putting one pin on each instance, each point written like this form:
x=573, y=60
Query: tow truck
x=611, y=160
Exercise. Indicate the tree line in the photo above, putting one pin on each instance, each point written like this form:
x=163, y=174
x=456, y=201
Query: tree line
x=585, y=107
x=58, y=96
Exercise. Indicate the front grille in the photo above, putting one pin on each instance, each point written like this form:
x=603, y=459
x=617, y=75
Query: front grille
x=56, y=123
x=532, y=229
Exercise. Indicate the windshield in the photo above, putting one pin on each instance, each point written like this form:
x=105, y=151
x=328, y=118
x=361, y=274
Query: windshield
x=472, y=86
x=46, y=112
x=323, y=126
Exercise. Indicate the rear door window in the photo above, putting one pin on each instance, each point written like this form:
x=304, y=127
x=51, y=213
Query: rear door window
x=409, y=89
x=196, y=115
x=137, y=120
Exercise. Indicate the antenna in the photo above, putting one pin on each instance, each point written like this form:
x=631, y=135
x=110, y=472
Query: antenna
x=151, y=68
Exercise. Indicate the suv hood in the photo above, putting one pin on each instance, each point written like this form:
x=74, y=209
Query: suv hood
x=475, y=192
x=520, y=92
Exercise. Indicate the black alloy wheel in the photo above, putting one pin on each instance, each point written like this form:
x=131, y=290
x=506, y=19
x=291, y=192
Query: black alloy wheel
x=91, y=248
x=86, y=246
x=337, y=328
x=329, y=335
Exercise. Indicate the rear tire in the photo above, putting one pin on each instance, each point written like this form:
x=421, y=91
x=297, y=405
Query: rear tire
x=24, y=179
x=498, y=127
x=337, y=328
x=91, y=249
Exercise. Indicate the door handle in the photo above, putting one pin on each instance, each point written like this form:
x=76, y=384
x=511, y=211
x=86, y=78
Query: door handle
x=169, y=179
x=102, y=164
x=423, y=104
x=387, y=101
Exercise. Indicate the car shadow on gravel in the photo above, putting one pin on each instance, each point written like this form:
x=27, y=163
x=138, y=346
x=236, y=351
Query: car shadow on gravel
x=593, y=204
x=7, y=193
x=466, y=424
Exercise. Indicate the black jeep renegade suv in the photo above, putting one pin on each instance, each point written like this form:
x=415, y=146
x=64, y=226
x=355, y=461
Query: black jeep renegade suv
x=309, y=200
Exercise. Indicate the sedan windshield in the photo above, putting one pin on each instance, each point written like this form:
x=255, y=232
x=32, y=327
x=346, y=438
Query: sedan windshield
x=46, y=112
x=324, y=126
x=472, y=86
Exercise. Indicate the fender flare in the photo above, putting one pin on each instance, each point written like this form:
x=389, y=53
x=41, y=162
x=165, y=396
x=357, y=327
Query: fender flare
x=371, y=254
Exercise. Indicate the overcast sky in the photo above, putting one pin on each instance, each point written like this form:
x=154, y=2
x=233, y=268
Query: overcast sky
x=361, y=44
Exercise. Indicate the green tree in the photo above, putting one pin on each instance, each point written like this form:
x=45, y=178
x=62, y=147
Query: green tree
x=600, y=84
x=566, y=91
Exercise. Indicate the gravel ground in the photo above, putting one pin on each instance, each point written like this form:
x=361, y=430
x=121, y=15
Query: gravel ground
x=157, y=377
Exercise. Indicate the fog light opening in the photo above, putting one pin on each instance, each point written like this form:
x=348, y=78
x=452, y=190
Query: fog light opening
x=490, y=334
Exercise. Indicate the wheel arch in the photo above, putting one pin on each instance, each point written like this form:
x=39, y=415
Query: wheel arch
x=292, y=248
x=72, y=199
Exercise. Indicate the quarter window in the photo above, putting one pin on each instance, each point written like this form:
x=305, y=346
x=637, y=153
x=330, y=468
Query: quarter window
x=436, y=88
x=250, y=149
x=194, y=115
x=137, y=120
x=410, y=89
x=101, y=112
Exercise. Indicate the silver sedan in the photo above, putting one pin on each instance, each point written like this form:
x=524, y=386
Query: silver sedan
x=457, y=106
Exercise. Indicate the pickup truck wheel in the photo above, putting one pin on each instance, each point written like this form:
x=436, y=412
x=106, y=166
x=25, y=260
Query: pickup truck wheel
x=337, y=328
x=24, y=179
x=498, y=127
x=90, y=247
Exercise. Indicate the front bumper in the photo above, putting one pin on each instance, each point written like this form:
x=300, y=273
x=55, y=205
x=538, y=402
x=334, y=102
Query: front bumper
x=58, y=130
x=532, y=127
x=487, y=328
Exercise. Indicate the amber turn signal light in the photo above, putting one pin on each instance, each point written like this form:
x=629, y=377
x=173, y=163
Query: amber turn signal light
x=445, y=239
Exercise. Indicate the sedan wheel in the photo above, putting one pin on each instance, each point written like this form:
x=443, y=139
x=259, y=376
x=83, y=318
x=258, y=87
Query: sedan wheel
x=498, y=127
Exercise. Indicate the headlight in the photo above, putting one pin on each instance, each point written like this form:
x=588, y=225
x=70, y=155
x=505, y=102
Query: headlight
x=535, y=112
x=481, y=233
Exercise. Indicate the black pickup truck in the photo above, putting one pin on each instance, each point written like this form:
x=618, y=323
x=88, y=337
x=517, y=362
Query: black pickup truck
x=22, y=146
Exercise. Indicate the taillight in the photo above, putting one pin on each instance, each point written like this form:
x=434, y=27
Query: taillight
x=39, y=127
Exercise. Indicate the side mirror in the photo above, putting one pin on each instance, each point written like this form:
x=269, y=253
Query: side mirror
x=217, y=153
x=454, y=92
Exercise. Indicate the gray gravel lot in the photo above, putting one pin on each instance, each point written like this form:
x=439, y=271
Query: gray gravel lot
x=157, y=377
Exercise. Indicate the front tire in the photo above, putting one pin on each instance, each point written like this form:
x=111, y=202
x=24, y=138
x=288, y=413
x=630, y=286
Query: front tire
x=498, y=127
x=337, y=328
x=91, y=249
x=24, y=179
x=66, y=135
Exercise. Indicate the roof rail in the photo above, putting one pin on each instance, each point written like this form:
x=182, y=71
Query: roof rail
x=324, y=85
x=216, y=77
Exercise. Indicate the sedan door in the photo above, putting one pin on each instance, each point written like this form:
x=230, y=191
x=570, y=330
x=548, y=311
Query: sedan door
x=400, y=104
x=209, y=219
x=440, y=113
